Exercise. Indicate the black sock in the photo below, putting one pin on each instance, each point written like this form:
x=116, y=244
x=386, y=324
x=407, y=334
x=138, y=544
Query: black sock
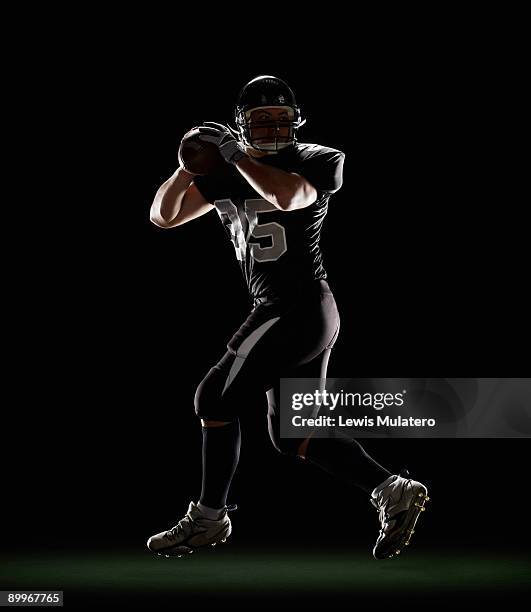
x=221, y=451
x=346, y=459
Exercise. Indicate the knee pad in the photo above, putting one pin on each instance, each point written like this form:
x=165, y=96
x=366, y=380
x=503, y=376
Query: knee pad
x=219, y=400
x=208, y=400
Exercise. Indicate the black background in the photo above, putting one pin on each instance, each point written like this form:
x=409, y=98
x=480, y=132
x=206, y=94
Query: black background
x=120, y=320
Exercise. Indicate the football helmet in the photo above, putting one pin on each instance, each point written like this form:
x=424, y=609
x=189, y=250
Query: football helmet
x=267, y=135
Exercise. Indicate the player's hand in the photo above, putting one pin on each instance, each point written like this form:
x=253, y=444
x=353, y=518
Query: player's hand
x=231, y=150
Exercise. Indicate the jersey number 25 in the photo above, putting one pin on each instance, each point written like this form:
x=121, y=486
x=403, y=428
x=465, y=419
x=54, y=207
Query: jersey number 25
x=242, y=238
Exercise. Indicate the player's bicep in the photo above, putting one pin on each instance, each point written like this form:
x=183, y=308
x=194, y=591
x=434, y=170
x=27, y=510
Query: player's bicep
x=194, y=205
x=306, y=194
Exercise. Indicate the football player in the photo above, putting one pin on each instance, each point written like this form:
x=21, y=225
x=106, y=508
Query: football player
x=272, y=197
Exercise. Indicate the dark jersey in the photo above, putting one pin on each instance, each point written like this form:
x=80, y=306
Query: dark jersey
x=278, y=251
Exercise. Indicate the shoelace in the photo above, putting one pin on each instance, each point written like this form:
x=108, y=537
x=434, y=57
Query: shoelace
x=382, y=512
x=382, y=507
x=184, y=526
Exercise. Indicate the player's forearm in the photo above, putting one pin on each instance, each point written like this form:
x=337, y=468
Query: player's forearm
x=284, y=190
x=169, y=198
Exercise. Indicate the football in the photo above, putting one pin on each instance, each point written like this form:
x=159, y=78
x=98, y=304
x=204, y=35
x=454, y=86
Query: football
x=197, y=156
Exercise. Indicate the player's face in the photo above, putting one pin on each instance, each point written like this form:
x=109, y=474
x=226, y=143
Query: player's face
x=270, y=127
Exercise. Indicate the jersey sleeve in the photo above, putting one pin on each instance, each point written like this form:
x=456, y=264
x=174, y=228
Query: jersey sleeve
x=323, y=168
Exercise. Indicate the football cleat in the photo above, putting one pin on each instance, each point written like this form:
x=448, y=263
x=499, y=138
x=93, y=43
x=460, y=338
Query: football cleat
x=399, y=501
x=191, y=532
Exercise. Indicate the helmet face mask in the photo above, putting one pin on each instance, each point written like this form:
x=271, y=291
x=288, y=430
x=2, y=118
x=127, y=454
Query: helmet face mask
x=269, y=128
x=267, y=116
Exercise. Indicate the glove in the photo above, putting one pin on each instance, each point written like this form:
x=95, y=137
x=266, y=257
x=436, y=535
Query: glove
x=231, y=150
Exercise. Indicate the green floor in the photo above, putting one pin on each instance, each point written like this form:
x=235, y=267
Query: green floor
x=229, y=571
